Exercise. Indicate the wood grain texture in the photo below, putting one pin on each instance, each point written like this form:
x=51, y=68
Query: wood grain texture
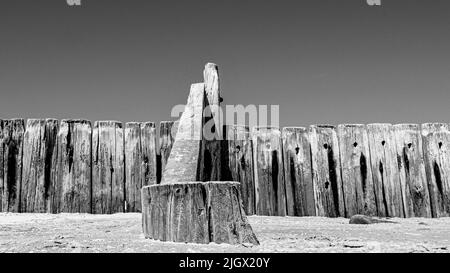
x=38, y=147
x=70, y=189
x=356, y=170
x=195, y=212
x=1, y=166
x=240, y=161
x=13, y=130
x=108, y=175
x=436, y=147
x=327, y=181
x=270, y=188
x=149, y=153
x=385, y=170
x=133, y=164
x=166, y=140
x=298, y=172
x=413, y=180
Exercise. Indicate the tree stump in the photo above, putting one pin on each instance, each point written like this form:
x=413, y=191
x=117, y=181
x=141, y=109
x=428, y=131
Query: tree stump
x=356, y=170
x=195, y=212
x=298, y=174
x=326, y=166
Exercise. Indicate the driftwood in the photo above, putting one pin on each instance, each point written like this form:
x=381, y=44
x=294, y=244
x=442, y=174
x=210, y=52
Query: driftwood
x=356, y=170
x=39, y=146
x=12, y=142
x=195, y=212
x=436, y=141
x=414, y=188
x=270, y=188
x=328, y=192
x=70, y=189
x=297, y=172
x=108, y=167
x=386, y=175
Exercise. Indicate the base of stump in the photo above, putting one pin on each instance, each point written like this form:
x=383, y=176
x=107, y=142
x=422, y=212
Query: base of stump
x=195, y=212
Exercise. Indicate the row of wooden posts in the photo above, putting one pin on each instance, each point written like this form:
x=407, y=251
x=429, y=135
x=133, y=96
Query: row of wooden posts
x=386, y=170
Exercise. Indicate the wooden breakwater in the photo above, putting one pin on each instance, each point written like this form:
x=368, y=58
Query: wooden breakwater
x=400, y=170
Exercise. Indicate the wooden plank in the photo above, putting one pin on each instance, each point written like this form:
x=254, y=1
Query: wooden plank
x=166, y=140
x=326, y=170
x=38, y=147
x=414, y=187
x=183, y=162
x=133, y=162
x=297, y=172
x=1, y=166
x=436, y=147
x=356, y=170
x=108, y=177
x=270, y=188
x=385, y=171
x=70, y=189
x=149, y=153
x=13, y=130
x=240, y=162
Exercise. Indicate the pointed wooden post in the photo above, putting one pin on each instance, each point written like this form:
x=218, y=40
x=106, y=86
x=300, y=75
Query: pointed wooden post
x=240, y=162
x=327, y=179
x=385, y=170
x=38, y=148
x=436, y=147
x=414, y=188
x=356, y=170
x=270, y=195
x=13, y=130
x=70, y=189
x=297, y=172
x=108, y=167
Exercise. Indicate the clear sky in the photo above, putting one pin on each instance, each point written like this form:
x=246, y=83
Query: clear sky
x=322, y=61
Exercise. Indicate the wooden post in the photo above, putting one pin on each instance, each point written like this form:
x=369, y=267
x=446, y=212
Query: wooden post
x=386, y=177
x=133, y=162
x=240, y=161
x=297, y=172
x=356, y=170
x=108, y=178
x=38, y=148
x=414, y=188
x=436, y=144
x=13, y=130
x=166, y=141
x=327, y=179
x=1, y=166
x=70, y=189
x=196, y=212
x=149, y=153
x=270, y=195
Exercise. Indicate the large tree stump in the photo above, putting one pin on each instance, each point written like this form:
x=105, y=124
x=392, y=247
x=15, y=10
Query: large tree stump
x=270, y=195
x=195, y=212
x=70, y=189
x=328, y=192
x=140, y=161
x=386, y=176
x=356, y=170
x=38, y=148
x=240, y=163
x=416, y=198
x=13, y=131
x=297, y=172
x=108, y=176
x=436, y=142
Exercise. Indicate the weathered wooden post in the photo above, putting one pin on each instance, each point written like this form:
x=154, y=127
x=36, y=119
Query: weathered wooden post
x=240, y=160
x=165, y=142
x=38, y=147
x=297, y=172
x=270, y=187
x=13, y=130
x=385, y=170
x=108, y=176
x=414, y=188
x=436, y=142
x=356, y=170
x=140, y=161
x=70, y=189
x=328, y=192
x=181, y=209
x=1, y=165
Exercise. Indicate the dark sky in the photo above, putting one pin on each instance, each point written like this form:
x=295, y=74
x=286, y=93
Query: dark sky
x=321, y=61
